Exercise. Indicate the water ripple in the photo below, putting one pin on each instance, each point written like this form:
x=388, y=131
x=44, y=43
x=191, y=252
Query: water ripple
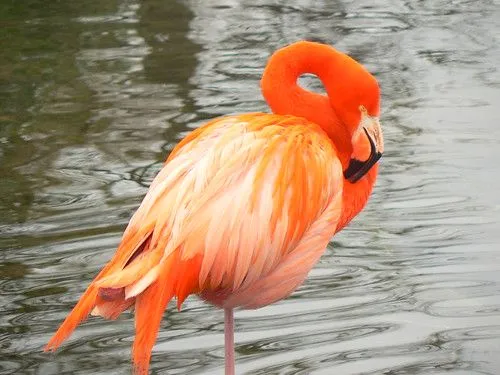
x=89, y=114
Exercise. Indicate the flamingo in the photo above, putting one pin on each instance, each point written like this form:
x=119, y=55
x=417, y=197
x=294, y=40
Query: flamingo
x=246, y=204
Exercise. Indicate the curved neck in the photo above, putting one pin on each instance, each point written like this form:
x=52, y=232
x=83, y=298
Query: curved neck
x=348, y=85
x=343, y=78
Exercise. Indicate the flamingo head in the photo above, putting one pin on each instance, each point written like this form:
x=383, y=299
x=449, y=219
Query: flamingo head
x=367, y=144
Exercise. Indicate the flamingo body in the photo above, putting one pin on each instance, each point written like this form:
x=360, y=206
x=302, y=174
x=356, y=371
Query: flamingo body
x=239, y=214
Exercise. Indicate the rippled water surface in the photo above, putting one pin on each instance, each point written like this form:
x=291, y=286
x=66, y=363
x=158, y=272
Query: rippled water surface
x=94, y=95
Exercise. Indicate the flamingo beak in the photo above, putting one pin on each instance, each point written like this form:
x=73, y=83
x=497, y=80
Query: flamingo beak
x=371, y=128
x=358, y=169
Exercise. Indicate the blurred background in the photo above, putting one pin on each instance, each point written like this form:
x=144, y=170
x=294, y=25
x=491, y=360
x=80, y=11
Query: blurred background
x=94, y=95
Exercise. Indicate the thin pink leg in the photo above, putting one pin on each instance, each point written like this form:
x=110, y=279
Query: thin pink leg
x=229, y=340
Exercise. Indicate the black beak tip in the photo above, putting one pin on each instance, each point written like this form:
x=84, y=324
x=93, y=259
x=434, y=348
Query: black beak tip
x=358, y=169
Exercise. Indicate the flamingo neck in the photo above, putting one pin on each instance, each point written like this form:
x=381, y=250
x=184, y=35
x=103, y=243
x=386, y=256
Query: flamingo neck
x=347, y=84
x=355, y=196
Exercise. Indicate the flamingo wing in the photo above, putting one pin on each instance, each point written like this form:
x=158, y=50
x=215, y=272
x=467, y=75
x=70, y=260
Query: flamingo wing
x=240, y=213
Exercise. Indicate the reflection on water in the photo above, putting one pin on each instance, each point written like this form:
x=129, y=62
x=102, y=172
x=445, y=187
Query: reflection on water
x=94, y=94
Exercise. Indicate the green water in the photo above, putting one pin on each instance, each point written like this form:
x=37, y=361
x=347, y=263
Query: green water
x=94, y=95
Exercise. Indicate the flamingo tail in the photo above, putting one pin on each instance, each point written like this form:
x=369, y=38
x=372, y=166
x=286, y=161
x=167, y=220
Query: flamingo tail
x=176, y=277
x=106, y=302
x=144, y=279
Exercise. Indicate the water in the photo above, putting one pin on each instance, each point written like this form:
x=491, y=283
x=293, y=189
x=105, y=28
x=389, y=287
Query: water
x=93, y=96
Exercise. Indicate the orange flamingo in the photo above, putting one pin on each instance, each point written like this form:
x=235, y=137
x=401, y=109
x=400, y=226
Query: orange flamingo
x=246, y=204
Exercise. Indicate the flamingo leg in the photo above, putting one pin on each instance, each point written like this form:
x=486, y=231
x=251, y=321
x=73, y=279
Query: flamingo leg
x=229, y=340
